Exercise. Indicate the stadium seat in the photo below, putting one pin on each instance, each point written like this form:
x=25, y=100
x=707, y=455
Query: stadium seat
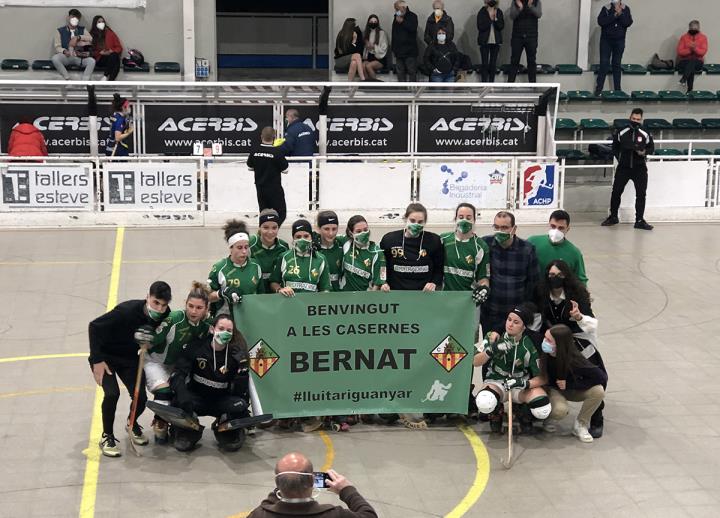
x=595, y=68
x=668, y=151
x=657, y=124
x=701, y=95
x=566, y=124
x=686, y=124
x=594, y=124
x=580, y=95
x=710, y=68
x=143, y=69
x=672, y=95
x=569, y=69
x=644, y=95
x=660, y=71
x=570, y=154
x=621, y=123
x=42, y=64
x=14, y=64
x=697, y=151
x=710, y=124
x=634, y=69
x=167, y=67
x=563, y=96
x=614, y=96
x=717, y=151
x=546, y=69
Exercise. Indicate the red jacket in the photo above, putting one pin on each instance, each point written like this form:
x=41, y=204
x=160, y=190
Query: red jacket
x=26, y=140
x=684, y=51
x=112, y=42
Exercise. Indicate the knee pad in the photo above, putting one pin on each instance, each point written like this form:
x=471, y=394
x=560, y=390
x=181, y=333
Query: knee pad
x=540, y=407
x=486, y=401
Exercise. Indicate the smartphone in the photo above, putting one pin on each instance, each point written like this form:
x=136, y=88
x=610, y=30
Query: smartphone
x=320, y=479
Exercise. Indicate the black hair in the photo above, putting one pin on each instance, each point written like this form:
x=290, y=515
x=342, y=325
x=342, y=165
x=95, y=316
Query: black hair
x=574, y=289
x=117, y=102
x=560, y=215
x=161, y=290
x=466, y=206
x=98, y=35
x=506, y=214
x=366, y=33
x=637, y=111
x=357, y=218
x=237, y=340
x=75, y=12
x=234, y=226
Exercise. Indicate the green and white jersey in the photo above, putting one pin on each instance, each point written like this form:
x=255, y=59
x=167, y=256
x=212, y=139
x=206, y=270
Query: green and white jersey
x=266, y=257
x=527, y=362
x=466, y=262
x=334, y=257
x=302, y=273
x=246, y=279
x=173, y=333
x=362, y=267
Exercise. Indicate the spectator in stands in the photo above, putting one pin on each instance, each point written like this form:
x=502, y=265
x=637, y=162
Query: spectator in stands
x=72, y=47
x=631, y=146
x=691, y=50
x=107, y=48
x=268, y=162
x=614, y=18
x=349, y=49
x=404, y=42
x=513, y=272
x=525, y=15
x=299, y=137
x=554, y=245
x=442, y=59
x=26, y=140
x=376, y=47
x=293, y=495
x=120, y=128
x=438, y=18
x=490, y=23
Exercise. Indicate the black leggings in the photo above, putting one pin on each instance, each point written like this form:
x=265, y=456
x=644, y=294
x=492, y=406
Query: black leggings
x=272, y=198
x=126, y=371
x=111, y=63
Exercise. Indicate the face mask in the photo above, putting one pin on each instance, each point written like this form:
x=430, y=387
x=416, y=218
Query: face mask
x=74, y=22
x=415, y=229
x=502, y=237
x=223, y=337
x=464, y=226
x=101, y=26
x=441, y=38
x=362, y=238
x=634, y=124
x=547, y=347
x=155, y=315
x=693, y=32
x=556, y=282
x=555, y=235
x=398, y=13
x=438, y=12
x=302, y=245
x=373, y=25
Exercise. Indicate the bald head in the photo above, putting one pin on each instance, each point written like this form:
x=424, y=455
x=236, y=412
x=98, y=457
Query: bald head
x=292, y=114
x=292, y=485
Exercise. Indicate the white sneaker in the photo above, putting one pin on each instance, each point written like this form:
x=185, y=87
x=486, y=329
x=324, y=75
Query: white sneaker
x=104, y=78
x=581, y=432
x=550, y=425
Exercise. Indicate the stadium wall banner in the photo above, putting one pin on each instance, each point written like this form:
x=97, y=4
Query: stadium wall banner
x=48, y=187
x=365, y=186
x=539, y=185
x=171, y=129
x=360, y=353
x=150, y=186
x=457, y=128
x=445, y=184
x=361, y=128
x=64, y=126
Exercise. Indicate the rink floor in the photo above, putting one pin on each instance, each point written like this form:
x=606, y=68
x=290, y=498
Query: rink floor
x=655, y=294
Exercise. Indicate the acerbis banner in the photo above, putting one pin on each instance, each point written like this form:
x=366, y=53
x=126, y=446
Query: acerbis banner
x=457, y=128
x=150, y=186
x=360, y=352
x=445, y=184
x=48, y=187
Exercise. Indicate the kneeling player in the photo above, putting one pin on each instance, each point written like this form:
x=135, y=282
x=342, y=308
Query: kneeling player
x=514, y=368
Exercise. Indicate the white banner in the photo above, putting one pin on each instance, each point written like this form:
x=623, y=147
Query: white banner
x=126, y=4
x=150, y=186
x=443, y=185
x=672, y=183
x=539, y=185
x=365, y=186
x=231, y=187
x=47, y=187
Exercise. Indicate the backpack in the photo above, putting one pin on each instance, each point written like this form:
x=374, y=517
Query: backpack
x=661, y=64
x=135, y=59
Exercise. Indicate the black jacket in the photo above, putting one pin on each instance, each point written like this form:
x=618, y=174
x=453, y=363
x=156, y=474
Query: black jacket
x=445, y=58
x=484, y=24
x=626, y=144
x=525, y=23
x=581, y=378
x=431, y=28
x=408, y=266
x=358, y=48
x=268, y=162
x=112, y=334
x=614, y=27
x=404, y=36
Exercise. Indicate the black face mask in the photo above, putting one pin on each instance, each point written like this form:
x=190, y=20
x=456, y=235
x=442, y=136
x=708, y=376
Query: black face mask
x=373, y=25
x=634, y=124
x=556, y=282
x=693, y=32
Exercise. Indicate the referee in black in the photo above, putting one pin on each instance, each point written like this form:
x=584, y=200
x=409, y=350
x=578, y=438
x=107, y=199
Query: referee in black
x=268, y=162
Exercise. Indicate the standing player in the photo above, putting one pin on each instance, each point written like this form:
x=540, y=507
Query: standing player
x=467, y=256
x=235, y=275
x=265, y=246
x=181, y=327
x=330, y=245
x=363, y=263
x=300, y=270
x=268, y=162
x=120, y=128
x=114, y=353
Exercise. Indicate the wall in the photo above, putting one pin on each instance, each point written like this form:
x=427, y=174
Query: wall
x=205, y=34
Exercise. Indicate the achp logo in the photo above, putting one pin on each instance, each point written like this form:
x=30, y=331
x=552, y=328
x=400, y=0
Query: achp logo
x=539, y=185
x=122, y=187
x=16, y=187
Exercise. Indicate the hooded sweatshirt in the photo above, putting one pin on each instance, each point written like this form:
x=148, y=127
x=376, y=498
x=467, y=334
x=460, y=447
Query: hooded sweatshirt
x=26, y=140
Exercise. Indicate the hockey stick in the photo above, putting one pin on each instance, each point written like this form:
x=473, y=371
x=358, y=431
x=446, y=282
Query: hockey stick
x=136, y=396
x=509, y=461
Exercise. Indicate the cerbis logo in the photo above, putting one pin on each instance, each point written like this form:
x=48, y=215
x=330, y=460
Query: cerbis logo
x=539, y=185
x=481, y=123
x=200, y=124
x=354, y=124
x=70, y=122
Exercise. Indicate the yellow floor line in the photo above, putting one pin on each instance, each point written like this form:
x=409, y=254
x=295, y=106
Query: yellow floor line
x=92, y=466
x=482, y=473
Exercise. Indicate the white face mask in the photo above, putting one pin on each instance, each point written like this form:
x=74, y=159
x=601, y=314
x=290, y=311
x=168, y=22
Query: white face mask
x=441, y=38
x=438, y=12
x=101, y=26
x=555, y=235
x=74, y=21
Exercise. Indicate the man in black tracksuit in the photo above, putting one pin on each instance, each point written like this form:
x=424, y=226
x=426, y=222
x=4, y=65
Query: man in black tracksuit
x=114, y=348
x=631, y=146
x=404, y=42
x=525, y=14
x=268, y=162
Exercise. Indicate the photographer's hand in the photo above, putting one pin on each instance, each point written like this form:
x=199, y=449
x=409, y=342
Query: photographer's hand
x=337, y=482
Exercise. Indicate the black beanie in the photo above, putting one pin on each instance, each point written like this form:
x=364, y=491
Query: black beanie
x=301, y=225
x=526, y=312
x=327, y=218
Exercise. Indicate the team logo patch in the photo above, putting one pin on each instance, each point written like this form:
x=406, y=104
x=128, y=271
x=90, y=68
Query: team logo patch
x=202, y=363
x=449, y=353
x=262, y=358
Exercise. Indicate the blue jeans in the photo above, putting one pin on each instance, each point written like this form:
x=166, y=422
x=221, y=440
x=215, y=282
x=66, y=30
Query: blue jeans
x=611, y=52
x=442, y=78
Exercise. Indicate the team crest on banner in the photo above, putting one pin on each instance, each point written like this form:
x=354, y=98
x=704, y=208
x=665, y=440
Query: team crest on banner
x=449, y=353
x=539, y=185
x=262, y=358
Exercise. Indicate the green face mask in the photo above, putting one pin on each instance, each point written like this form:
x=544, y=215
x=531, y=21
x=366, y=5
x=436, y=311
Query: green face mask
x=362, y=238
x=464, y=226
x=415, y=229
x=155, y=315
x=302, y=245
x=502, y=237
x=223, y=337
